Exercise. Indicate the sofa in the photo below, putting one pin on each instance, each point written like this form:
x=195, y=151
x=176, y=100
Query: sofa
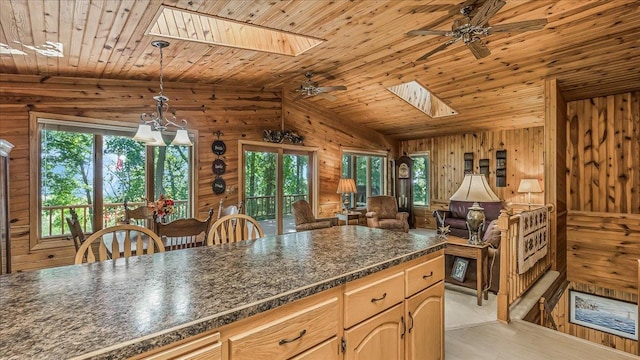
x=456, y=216
x=382, y=213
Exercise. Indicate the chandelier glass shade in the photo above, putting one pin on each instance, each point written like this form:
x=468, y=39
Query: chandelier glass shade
x=155, y=124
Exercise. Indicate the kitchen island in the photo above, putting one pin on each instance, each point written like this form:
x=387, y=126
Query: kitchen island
x=118, y=309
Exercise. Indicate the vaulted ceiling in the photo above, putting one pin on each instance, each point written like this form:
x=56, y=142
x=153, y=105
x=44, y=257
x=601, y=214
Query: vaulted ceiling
x=591, y=47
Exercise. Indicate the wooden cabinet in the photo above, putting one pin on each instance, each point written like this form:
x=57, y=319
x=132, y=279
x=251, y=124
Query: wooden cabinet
x=328, y=350
x=362, y=302
x=425, y=324
x=409, y=325
x=205, y=348
x=288, y=334
x=379, y=338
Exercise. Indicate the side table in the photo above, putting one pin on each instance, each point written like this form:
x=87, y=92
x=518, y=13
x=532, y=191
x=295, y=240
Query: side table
x=460, y=247
x=346, y=217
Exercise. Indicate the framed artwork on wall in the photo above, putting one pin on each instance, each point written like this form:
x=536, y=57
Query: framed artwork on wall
x=600, y=313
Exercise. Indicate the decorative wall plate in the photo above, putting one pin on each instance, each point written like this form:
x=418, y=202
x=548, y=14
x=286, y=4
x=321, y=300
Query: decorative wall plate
x=218, y=167
x=218, y=147
x=219, y=185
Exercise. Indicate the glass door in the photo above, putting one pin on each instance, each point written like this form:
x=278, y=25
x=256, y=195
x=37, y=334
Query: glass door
x=273, y=179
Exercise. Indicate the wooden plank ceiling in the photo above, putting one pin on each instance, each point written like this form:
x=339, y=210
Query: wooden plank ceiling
x=592, y=47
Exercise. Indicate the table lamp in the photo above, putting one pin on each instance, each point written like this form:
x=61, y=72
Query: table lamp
x=475, y=189
x=529, y=186
x=346, y=186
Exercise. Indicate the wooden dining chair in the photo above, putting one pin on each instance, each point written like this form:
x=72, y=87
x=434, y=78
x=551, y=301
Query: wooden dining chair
x=228, y=210
x=184, y=233
x=77, y=235
x=142, y=215
x=115, y=242
x=232, y=228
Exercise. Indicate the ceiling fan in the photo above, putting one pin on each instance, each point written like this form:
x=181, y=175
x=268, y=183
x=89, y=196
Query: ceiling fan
x=474, y=26
x=310, y=88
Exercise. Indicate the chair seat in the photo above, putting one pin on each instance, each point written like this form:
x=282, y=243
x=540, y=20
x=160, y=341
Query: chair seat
x=391, y=224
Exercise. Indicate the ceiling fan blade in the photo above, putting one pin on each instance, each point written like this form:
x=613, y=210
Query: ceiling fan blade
x=488, y=9
x=298, y=97
x=327, y=96
x=479, y=49
x=528, y=25
x=427, y=32
x=324, y=89
x=439, y=48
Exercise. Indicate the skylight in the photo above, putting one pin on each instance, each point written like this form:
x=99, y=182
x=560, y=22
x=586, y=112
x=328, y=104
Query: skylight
x=188, y=25
x=422, y=99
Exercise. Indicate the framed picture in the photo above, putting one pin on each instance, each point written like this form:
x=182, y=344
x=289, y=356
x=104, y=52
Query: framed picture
x=459, y=269
x=612, y=316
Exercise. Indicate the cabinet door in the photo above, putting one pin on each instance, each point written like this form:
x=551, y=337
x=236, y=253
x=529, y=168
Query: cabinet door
x=328, y=350
x=425, y=324
x=379, y=338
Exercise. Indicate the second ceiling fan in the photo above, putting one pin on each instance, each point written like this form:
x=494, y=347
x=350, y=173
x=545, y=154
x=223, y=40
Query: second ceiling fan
x=310, y=88
x=474, y=26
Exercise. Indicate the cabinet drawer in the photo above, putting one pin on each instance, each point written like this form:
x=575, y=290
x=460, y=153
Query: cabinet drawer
x=372, y=298
x=422, y=276
x=328, y=350
x=206, y=348
x=288, y=335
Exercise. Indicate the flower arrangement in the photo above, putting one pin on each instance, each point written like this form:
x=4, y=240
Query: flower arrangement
x=163, y=206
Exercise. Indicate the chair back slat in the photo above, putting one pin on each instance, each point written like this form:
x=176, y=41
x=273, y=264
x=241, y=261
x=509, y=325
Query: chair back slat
x=184, y=233
x=102, y=251
x=77, y=235
x=109, y=246
x=232, y=228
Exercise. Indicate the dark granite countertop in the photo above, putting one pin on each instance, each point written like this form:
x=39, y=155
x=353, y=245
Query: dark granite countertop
x=115, y=309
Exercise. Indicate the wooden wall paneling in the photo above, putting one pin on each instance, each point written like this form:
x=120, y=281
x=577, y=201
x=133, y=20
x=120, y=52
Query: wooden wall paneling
x=554, y=170
x=602, y=147
x=603, y=249
x=239, y=112
x=525, y=147
x=326, y=130
x=561, y=316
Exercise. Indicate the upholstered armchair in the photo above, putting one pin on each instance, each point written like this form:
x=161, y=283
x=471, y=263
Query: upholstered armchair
x=382, y=212
x=306, y=221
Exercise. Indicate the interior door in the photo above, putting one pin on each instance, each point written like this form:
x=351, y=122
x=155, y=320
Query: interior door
x=274, y=178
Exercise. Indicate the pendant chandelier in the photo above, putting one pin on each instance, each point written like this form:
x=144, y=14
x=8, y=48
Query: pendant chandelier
x=153, y=125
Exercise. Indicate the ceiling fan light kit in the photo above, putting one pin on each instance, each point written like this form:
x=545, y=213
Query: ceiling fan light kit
x=474, y=27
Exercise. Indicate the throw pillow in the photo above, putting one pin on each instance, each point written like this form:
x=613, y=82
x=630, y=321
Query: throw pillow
x=492, y=234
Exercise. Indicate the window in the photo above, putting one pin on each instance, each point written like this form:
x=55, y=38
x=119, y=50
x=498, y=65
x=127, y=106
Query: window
x=420, y=179
x=94, y=168
x=369, y=172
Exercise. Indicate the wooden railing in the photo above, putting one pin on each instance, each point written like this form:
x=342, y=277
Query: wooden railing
x=264, y=207
x=512, y=284
x=55, y=225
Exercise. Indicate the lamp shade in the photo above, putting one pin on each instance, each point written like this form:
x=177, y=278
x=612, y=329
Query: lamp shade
x=144, y=133
x=346, y=186
x=475, y=188
x=182, y=138
x=529, y=186
x=157, y=139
